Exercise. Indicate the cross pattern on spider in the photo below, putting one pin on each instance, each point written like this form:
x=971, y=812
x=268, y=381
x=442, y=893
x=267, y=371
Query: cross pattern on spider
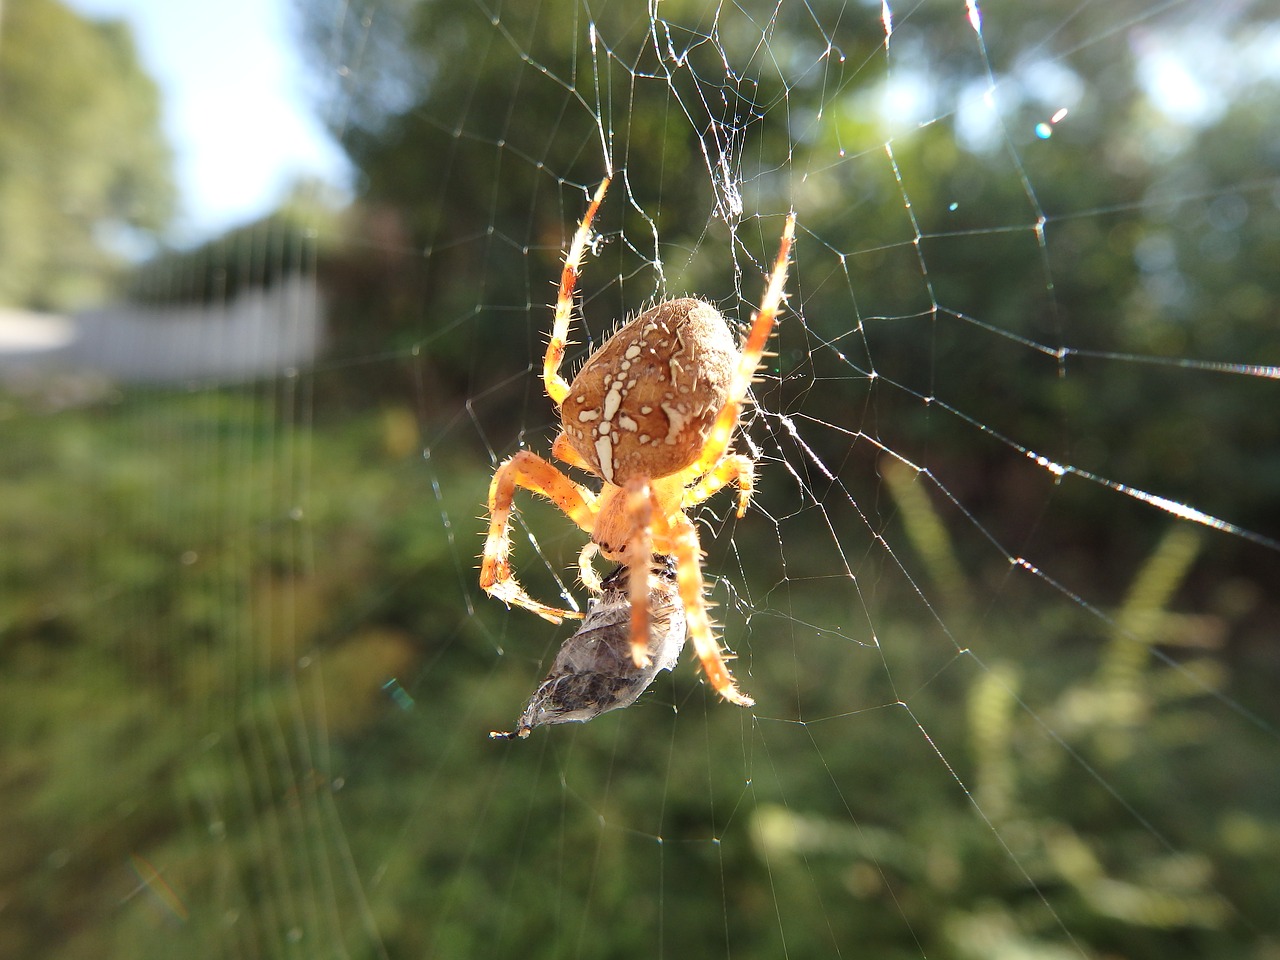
x=652, y=414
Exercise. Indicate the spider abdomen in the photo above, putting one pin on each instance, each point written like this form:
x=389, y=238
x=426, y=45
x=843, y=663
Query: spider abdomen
x=643, y=404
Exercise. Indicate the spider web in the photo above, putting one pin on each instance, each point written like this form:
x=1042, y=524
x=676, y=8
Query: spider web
x=1004, y=598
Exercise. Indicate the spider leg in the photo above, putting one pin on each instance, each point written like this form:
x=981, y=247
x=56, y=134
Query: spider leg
x=563, y=451
x=734, y=468
x=752, y=351
x=557, y=386
x=688, y=553
x=639, y=560
x=530, y=471
x=586, y=572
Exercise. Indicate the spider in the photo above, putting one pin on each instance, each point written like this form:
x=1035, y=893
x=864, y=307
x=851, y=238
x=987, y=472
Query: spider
x=651, y=414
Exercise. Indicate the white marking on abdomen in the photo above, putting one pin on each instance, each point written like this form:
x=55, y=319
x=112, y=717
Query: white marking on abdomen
x=604, y=453
x=612, y=400
x=676, y=420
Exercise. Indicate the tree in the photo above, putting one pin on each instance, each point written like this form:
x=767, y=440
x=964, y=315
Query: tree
x=83, y=163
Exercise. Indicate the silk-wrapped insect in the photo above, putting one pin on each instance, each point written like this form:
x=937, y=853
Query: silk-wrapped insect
x=595, y=671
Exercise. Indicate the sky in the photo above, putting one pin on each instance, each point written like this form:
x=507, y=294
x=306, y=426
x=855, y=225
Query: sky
x=235, y=101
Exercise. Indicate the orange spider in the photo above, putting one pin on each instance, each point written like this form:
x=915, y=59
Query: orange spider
x=652, y=414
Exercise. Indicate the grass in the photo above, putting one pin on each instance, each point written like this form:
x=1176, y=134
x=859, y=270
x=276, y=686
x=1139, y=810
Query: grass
x=207, y=598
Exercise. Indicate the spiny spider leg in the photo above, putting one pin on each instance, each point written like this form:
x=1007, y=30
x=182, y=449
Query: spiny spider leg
x=557, y=386
x=752, y=351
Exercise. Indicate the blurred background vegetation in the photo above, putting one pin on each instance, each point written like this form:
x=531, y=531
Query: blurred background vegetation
x=246, y=673
x=83, y=165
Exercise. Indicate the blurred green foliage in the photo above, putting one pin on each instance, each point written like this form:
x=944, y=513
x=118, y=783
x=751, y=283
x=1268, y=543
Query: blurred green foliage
x=84, y=168
x=289, y=241
x=203, y=609
x=1125, y=234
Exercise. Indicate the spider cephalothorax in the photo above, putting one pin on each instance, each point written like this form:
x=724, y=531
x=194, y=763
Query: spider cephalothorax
x=652, y=414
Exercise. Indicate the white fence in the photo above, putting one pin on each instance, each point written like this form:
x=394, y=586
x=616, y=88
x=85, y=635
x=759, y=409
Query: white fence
x=259, y=333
